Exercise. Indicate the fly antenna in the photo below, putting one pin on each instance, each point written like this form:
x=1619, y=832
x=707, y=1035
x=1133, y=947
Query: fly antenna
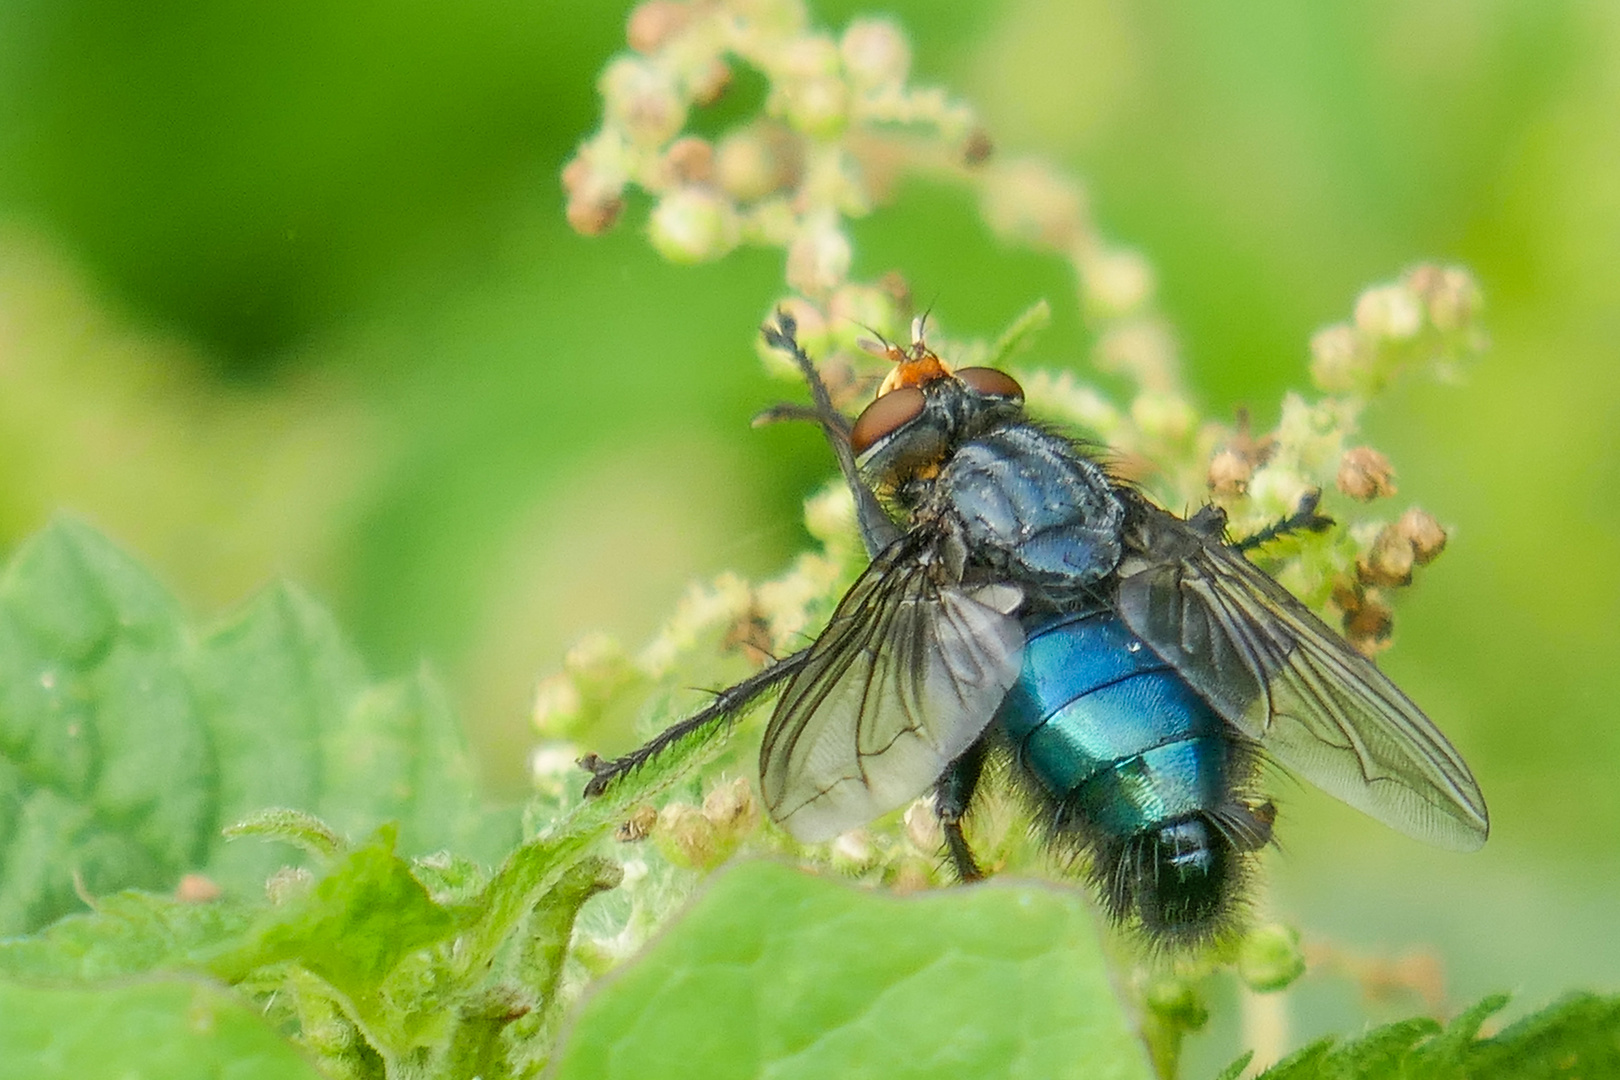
x=919, y=325
x=877, y=344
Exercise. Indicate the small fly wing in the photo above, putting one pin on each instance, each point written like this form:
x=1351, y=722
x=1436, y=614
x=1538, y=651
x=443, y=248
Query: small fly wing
x=1281, y=676
x=906, y=676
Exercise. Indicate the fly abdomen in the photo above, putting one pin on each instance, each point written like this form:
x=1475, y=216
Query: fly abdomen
x=1137, y=767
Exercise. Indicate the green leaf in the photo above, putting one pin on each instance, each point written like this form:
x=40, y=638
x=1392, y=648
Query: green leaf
x=171, y=1029
x=273, y=679
x=400, y=756
x=777, y=973
x=289, y=826
x=127, y=742
x=1381, y=1052
x=1578, y=1036
x=105, y=766
x=129, y=933
x=352, y=928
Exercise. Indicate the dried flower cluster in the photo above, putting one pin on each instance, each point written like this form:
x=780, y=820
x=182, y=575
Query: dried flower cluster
x=835, y=108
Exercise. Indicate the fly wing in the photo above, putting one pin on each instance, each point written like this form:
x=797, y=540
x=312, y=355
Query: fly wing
x=1279, y=675
x=905, y=678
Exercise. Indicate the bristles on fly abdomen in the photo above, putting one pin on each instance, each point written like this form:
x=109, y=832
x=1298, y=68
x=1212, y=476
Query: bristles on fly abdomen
x=1179, y=885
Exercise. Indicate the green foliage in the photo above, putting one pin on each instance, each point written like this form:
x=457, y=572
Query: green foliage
x=377, y=963
x=1576, y=1037
x=159, y=1029
x=774, y=973
x=128, y=740
x=128, y=933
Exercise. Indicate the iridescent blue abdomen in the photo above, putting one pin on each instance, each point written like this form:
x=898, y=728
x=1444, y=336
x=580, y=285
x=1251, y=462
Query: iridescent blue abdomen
x=1132, y=757
x=1110, y=728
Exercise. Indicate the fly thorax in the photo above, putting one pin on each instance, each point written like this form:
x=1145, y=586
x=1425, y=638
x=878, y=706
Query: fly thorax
x=1029, y=500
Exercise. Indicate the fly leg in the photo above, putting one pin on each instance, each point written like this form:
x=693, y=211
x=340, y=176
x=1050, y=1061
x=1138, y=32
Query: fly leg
x=727, y=706
x=1303, y=519
x=878, y=531
x=952, y=794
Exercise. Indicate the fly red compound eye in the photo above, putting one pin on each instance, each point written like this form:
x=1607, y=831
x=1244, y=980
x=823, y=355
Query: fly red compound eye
x=991, y=383
x=885, y=416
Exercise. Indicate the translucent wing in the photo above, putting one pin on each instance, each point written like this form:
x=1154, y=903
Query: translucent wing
x=906, y=676
x=1281, y=676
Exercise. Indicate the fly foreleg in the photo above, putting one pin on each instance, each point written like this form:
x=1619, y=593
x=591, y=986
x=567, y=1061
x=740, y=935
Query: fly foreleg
x=952, y=794
x=878, y=531
x=727, y=705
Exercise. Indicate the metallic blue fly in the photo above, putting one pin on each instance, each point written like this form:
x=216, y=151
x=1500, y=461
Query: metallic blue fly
x=1133, y=666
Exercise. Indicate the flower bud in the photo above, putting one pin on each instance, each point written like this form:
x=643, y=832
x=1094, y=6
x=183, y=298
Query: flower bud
x=912, y=874
x=773, y=18
x=1142, y=350
x=653, y=23
x=829, y=515
x=1028, y=202
x=708, y=83
x=594, y=182
x=731, y=807
x=1117, y=283
x=690, y=160
x=1365, y=474
x=686, y=837
x=557, y=705
x=1388, y=562
x=875, y=53
x=576, y=174
x=1450, y=294
x=809, y=91
x=1276, y=489
x=1176, y=1001
x=1423, y=533
x=1270, y=958
x=1337, y=364
x=692, y=225
x=771, y=222
x=1164, y=417
x=638, y=826
x=757, y=161
x=819, y=258
x=854, y=850
x=641, y=98
x=1368, y=620
x=1229, y=474
x=923, y=828
x=1388, y=312
x=593, y=217
x=596, y=659
x=817, y=106
x=553, y=766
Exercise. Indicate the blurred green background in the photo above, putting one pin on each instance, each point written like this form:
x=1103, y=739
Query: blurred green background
x=286, y=289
